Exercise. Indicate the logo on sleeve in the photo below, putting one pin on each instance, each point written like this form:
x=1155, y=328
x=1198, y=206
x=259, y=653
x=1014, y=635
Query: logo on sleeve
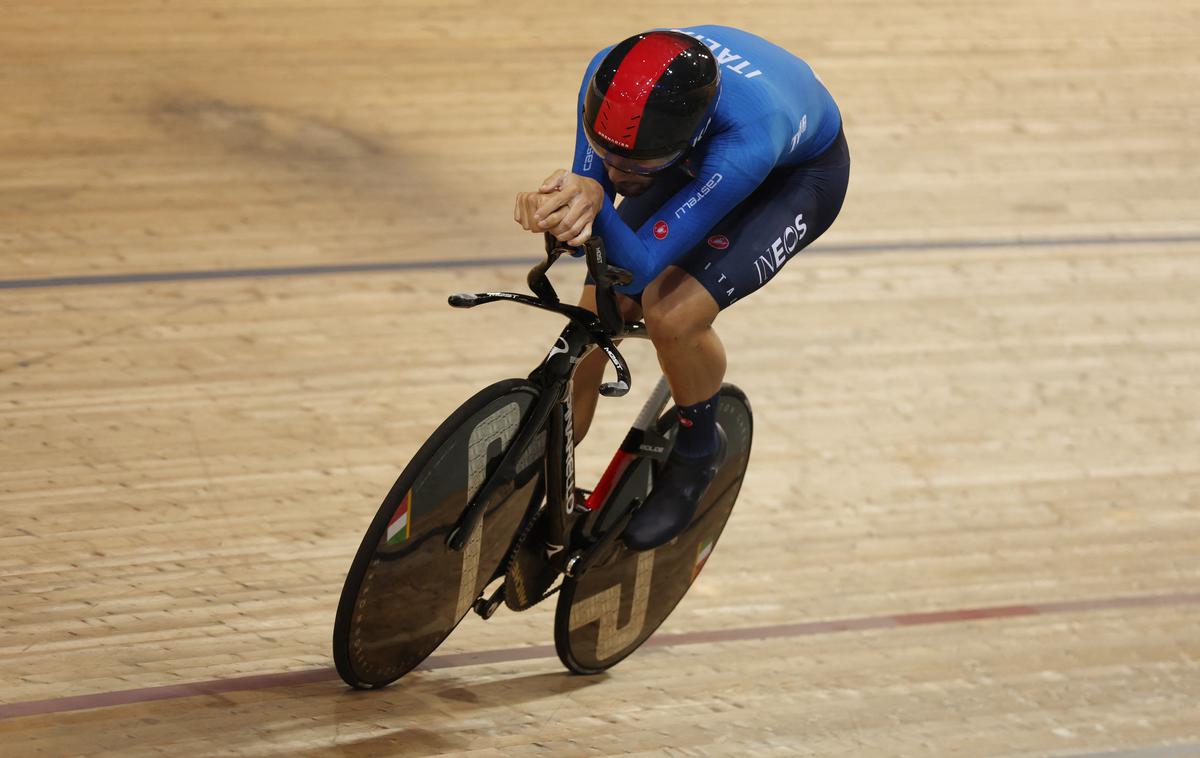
x=718, y=242
x=661, y=230
x=702, y=193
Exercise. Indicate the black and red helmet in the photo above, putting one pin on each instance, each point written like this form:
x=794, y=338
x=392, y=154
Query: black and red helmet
x=650, y=100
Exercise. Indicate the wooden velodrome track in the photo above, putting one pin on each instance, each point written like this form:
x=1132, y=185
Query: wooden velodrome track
x=972, y=520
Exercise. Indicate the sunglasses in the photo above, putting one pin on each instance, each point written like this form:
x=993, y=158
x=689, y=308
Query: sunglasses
x=641, y=167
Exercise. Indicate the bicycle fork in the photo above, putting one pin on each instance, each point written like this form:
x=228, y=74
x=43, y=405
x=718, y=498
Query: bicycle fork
x=560, y=475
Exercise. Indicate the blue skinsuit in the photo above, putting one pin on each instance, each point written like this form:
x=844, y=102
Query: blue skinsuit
x=774, y=113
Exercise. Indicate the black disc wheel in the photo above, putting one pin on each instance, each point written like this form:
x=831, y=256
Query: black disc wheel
x=623, y=596
x=406, y=590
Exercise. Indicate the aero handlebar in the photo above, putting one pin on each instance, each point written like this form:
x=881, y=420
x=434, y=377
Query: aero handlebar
x=602, y=327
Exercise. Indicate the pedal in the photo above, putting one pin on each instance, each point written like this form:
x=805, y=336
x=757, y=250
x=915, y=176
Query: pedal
x=486, y=607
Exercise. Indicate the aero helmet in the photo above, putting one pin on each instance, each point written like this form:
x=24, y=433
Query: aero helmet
x=650, y=100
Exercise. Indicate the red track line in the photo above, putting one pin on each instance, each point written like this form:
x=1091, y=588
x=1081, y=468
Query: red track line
x=505, y=655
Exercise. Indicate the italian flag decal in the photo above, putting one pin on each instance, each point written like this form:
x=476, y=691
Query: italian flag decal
x=398, y=527
x=702, y=554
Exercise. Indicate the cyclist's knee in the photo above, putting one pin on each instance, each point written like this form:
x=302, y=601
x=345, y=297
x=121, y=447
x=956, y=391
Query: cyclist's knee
x=676, y=305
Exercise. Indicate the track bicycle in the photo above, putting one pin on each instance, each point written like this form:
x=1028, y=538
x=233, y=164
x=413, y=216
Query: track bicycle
x=487, y=512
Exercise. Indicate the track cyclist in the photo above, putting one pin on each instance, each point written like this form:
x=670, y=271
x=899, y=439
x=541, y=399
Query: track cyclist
x=729, y=155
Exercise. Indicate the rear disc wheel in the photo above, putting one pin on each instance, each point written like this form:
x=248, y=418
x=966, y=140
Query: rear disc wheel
x=622, y=598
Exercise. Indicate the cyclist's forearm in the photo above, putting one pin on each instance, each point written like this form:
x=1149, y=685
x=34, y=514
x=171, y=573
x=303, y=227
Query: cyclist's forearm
x=626, y=250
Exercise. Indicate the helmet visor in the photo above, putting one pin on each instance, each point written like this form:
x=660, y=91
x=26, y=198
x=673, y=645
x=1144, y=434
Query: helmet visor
x=640, y=166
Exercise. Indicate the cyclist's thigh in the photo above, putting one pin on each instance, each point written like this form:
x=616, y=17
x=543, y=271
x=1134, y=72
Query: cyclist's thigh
x=748, y=247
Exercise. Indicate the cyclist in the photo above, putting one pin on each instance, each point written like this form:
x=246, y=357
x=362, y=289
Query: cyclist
x=729, y=155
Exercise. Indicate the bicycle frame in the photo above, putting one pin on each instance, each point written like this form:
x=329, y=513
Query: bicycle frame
x=541, y=537
x=554, y=408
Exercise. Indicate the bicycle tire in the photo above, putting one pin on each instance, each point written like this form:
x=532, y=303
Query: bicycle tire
x=403, y=554
x=588, y=634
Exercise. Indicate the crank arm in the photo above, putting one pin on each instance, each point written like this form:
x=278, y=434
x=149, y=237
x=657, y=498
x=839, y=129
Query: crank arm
x=486, y=606
x=582, y=560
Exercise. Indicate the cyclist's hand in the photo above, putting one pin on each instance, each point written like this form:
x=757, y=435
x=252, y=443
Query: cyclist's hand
x=527, y=205
x=569, y=205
